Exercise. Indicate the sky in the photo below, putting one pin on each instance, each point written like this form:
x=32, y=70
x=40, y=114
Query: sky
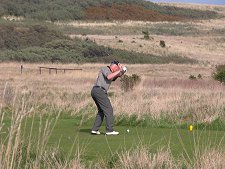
x=216, y=2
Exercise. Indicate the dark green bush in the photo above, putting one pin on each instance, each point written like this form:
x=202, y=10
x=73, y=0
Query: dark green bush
x=199, y=76
x=146, y=35
x=219, y=73
x=128, y=83
x=192, y=77
x=162, y=43
x=1, y=11
x=97, y=51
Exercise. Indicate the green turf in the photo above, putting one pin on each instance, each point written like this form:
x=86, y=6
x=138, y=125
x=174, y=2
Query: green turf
x=69, y=135
x=179, y=140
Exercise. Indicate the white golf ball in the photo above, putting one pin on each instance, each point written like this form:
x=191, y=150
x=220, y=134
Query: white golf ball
x=124, y=69
x=128, y=130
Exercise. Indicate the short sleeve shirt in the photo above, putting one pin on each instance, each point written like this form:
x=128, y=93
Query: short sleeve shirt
x=102, y=78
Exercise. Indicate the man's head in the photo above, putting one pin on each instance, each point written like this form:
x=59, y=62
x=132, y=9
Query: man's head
x=114, y=66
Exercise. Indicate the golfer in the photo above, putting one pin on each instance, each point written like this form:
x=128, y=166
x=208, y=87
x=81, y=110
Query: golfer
x=99, y=94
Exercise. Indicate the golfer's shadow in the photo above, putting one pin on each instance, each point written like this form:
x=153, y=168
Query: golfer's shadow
x=85, y=130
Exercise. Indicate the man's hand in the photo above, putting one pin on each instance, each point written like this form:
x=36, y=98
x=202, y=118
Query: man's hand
x=121, y=70
x=124, y=69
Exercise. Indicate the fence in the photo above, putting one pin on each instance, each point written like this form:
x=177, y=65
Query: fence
x=56, y=69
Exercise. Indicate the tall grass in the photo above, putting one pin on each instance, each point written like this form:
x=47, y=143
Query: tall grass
x=211, y=159
x=181, y=99
x=44, y=98
x=22, y=148
x=143, y=158
x=204, y=157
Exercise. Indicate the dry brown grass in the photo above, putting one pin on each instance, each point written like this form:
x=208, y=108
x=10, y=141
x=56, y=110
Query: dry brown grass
x=17, y=148
x=213, y=159
x=174, y=98
x=204, y=7
x=165, y=90
x=142, y=158
x=205, y=48
x=200, y=39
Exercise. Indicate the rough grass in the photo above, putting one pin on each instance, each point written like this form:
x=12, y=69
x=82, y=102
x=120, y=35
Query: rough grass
x=163, y=92
x=197, y=40
x=57, y=140
x=41, y=44
x=136, y=27
x=48, y=118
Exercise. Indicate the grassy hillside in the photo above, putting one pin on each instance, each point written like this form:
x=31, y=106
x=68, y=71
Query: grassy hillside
x=41, y=44
x=75, y=9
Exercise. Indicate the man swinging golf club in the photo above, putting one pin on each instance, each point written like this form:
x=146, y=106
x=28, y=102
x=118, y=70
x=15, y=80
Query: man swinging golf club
x=99, y=94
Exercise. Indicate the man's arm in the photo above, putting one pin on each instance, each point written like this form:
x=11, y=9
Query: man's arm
x=114, y=75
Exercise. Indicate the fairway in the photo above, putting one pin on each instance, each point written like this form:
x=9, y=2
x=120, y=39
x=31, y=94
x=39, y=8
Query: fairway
x=70, y=137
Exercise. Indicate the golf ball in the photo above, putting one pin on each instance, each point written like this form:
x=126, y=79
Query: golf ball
x=128, y=130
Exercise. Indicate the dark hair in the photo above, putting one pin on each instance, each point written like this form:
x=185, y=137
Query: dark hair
x=115, y=62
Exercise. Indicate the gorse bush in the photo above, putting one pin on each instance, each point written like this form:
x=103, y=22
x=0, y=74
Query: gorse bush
x=128, y=83
x=162, y=43
x=219, y=74
x=192, y=77
x=146, y=35
x=199, y=76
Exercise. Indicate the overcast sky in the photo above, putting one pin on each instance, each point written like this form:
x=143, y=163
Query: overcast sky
x=217, y=2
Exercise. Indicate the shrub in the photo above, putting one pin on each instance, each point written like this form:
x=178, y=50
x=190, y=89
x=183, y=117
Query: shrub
x=162, y=43
x=146, y=35
x=1, y=11
x=199, y=76
x=219, y=74
x=129, y=82
x=192, y=77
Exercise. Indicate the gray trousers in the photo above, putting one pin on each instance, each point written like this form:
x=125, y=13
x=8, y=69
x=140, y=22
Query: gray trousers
x=105, y=109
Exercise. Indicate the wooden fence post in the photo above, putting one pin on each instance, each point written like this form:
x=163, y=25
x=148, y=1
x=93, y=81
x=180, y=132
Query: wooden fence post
x=21, y=69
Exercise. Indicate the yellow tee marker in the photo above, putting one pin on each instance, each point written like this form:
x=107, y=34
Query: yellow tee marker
x=190, y=128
